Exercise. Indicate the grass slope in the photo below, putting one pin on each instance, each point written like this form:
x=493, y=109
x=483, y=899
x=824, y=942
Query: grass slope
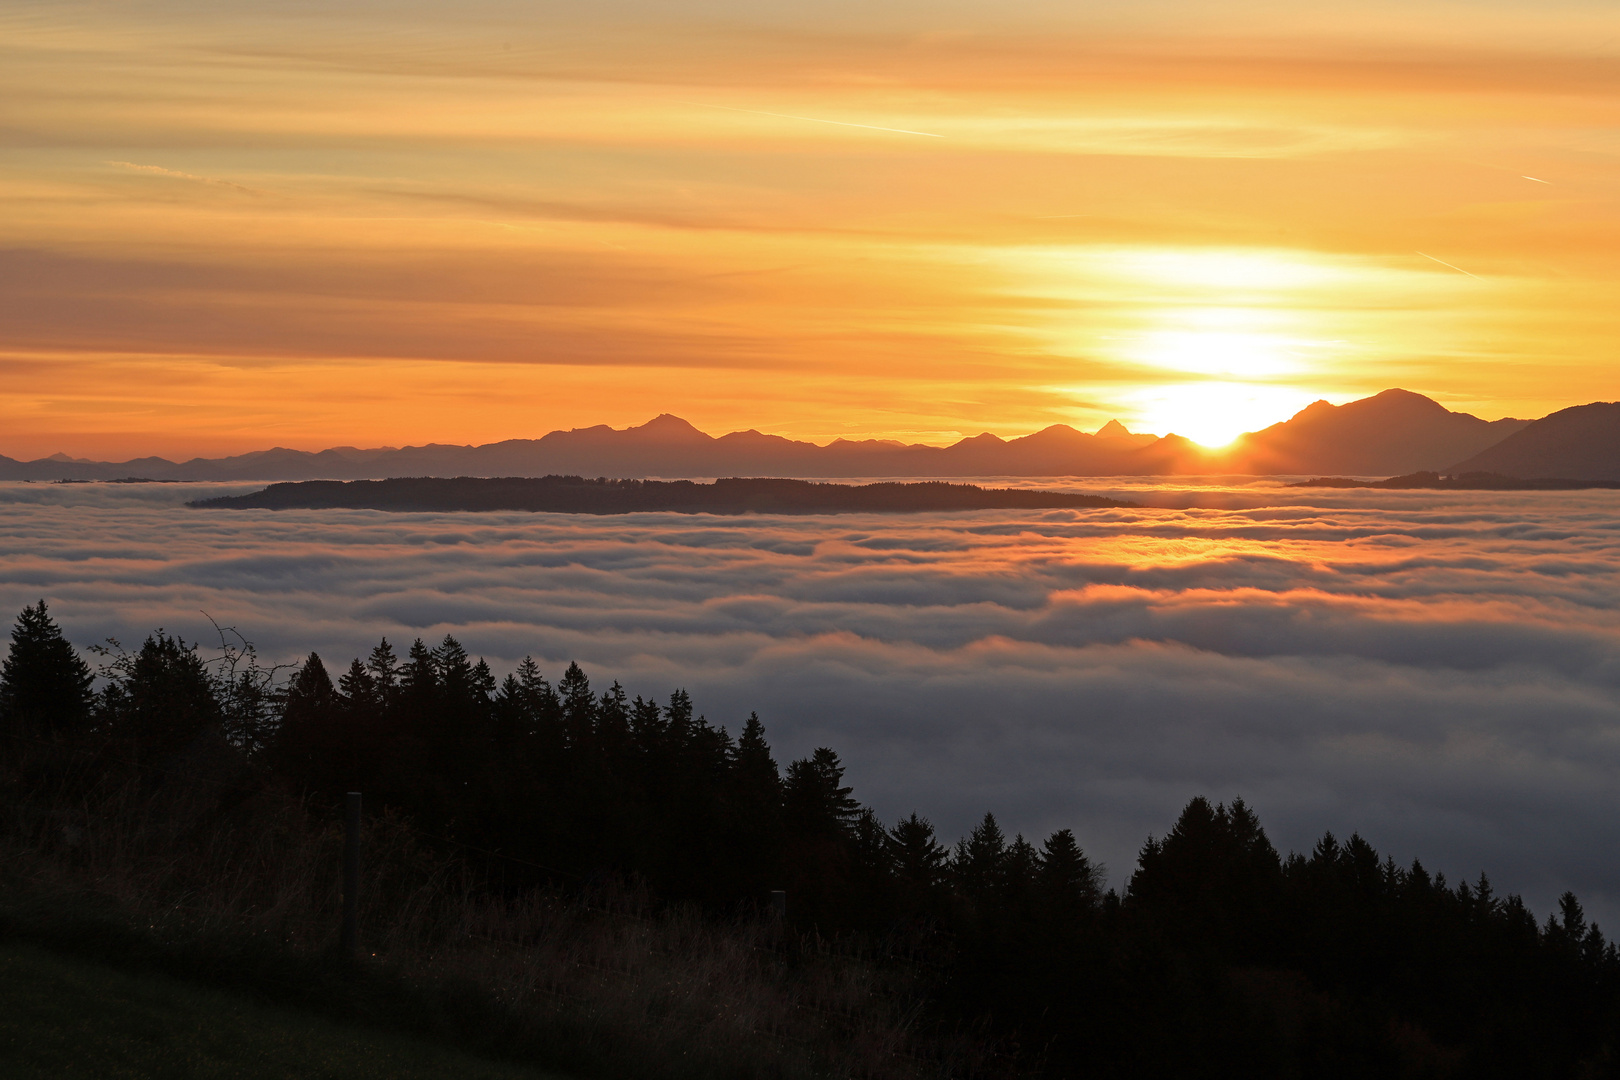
x=62, y=1017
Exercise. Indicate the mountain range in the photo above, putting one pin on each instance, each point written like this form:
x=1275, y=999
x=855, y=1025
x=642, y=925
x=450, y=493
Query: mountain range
x=1391, y=433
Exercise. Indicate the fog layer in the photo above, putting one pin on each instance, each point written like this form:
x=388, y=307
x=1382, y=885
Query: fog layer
x=1436, y=670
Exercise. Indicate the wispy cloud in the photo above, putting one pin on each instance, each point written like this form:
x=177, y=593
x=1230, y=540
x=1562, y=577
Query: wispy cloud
x=817, y=120
x=158, y=170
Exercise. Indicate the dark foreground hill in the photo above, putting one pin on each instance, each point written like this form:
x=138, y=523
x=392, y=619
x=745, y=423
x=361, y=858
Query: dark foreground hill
x=617, y=887
x=578, y=495
x=1582, y=443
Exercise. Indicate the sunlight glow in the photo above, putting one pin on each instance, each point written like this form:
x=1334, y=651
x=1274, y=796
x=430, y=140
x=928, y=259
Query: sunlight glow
x=1203, y=352
x=1214, y=413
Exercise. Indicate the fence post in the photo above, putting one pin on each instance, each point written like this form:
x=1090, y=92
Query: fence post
x=349, y=941
x=779, y=904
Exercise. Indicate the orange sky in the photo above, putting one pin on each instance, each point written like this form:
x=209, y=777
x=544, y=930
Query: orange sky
x=226, y=229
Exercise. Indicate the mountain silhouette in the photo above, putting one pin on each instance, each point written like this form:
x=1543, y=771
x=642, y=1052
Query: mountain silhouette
x=1578, y=443
x=1393, y=433
x=1388, y=434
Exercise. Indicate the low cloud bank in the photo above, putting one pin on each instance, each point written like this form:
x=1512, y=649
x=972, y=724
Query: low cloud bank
x=1437, y=670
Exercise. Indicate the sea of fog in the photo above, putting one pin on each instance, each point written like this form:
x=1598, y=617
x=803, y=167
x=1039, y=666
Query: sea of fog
x=1438, y=671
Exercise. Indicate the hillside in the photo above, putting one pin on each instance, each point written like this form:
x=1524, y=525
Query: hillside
x=1578, y=443
x=1391, y=433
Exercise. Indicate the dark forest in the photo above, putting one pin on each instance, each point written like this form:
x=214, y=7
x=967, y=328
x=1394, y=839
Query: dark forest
x=1219, y=956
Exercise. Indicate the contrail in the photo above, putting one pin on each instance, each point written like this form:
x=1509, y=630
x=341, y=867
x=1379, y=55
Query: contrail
x=814, y=119
x=1537, y=179
x=1443, y=262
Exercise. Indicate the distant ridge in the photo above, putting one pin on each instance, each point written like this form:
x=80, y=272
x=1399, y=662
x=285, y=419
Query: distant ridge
x=1581, y=443
x=1392, y=433
x=577, y=495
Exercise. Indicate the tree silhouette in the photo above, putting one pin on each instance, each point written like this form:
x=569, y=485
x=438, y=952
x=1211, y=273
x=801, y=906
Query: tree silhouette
x=44, y=684
x=1221, y=958
x=160, y=698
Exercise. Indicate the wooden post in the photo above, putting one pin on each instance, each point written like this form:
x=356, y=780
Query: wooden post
x=778, y=904
x=349, y=941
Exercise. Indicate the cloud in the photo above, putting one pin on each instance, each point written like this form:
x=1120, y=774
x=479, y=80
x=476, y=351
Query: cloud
x=158, y=170
x=1436, y=670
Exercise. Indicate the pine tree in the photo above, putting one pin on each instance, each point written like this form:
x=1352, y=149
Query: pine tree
x=453, y=671
x=308, y=747
x=757, y=777
x=816, y=801
x=1066, y=880
x=647, y=728
x=509, y=713
x=578, y=708
x=979, y=864
x=919, y=861
x=384, y=669
x=419, y=684
x=44, y=684
x=358, y=689
x=161, y=698
x=613, y=726
x=1019, y=869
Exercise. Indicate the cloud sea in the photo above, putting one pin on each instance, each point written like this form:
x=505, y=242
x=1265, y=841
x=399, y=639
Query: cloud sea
x=1436, y=670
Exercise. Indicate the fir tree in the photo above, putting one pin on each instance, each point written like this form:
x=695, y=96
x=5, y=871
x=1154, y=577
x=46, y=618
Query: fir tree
x=919, y=859
x=980, y=862
x=44, y=684
x=308, y=747
x=161, y=698
x=817, y=802
x=1066, y=880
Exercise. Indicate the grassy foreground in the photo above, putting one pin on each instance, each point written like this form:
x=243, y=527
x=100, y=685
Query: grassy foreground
x=63, y=1017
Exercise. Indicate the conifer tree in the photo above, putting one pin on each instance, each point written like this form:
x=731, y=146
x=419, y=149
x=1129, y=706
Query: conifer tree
x=44, y=684
x=816, y=801
x=384, y=669
x=483, y=680
x=1066, y=880
x=161, y=698
x=308, y=746
x=510, y=714
x=613, y=726
x=453, y=672
x=358, y=689
x=1019, y=868
x=979, y=864
x=419, y=683
x=919, y=860
x=578, y=708
x=757, y=777
x=647, y=728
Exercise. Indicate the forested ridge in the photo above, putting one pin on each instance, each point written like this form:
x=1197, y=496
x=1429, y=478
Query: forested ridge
x=582, y=495
x=1220, y=956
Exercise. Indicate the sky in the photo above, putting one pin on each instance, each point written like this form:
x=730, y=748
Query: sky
x=232, y=226
x=1436, y=670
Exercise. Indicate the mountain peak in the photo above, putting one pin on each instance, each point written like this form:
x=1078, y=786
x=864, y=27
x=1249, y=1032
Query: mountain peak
x=1113, y=430
x=669, y=426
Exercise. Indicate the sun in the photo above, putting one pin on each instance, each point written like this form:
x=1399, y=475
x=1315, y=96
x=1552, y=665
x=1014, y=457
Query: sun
x=1212, y=414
